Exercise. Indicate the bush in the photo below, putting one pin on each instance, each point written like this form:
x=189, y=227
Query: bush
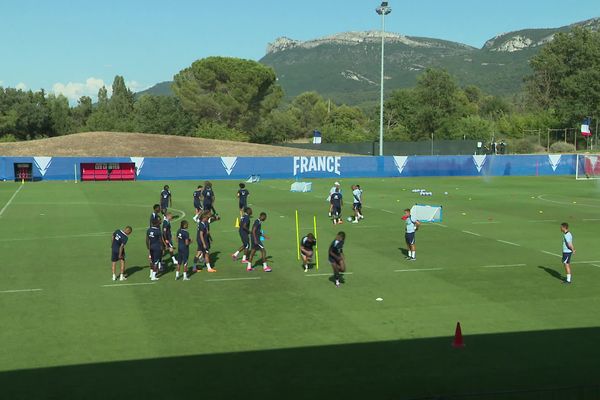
x=9, y=137
x=216, y=131
x=562, y=147
x=525, y=146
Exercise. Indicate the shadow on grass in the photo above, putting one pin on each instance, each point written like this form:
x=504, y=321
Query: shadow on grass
x=403, y=369
x=404, y=251
x=129, y=271
x=552, y=272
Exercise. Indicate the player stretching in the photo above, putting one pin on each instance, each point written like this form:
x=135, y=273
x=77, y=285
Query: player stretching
x=332, y=191
x=336, y=257
x=242, y=196
x=155, y=214
x=155, y=245
x=168, y=237
x=208, y=202
x=357, y=203
x=198, y=203
x=203, y=241
x=306, y=249
x=336, y=206
x=257, y=243
x=411, y=227
x=244, y=235
x=568, y=250
x=165, y=200
x=119, y=240
x=183, y=250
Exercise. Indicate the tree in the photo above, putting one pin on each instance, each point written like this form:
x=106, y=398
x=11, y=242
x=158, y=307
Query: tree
x=230, y=91
x=60, y=115
x=82, y=112
x=162, y=114
x=311, y=111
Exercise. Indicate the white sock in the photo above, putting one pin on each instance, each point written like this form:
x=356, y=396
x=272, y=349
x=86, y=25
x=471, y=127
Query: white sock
x=414, y=254
x=265, y=265
x=114, y=277
x=174, y=259
x=122, y=276
x=185, y=275
x=176, y=274
x=152, y=274
x=568, y=277
x=208, y=265
x=237, y=253
x=244, y=258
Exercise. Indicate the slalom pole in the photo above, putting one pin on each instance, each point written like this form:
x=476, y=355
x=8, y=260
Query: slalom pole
x=317, y=244
x=297, y=236
x=75, y=171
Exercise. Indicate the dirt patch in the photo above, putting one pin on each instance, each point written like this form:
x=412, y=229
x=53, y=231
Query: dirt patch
x=117, y=144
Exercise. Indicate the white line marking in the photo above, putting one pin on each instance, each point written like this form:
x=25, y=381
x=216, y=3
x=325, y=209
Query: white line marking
x=504, y=266
x=388, y=211
x=586, y=262
x=128, y=284
x=419, y=270
x=232, y=279
x=309, y=275
x=551, y=254
x=592, y=219
x=510, y=243
x=10, y=200
x=21, y=291
x=438, y=224
x=472, y=233
x=595, y=265
x=485, y=222
x=542, y=220
x=541, y=197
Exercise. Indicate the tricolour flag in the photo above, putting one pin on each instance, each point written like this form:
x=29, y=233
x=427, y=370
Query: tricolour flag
x=585, y=127
x=316, y=137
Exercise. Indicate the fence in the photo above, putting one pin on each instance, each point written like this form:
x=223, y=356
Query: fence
x=428, y=147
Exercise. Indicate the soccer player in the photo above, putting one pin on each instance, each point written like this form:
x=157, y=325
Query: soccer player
x=412, y=225
x=165, y=199
x=257, y=244
x=203, y=241
x=336, y=185
x=155, y=245
x=306, y=249
x=357, y=203
x=168, y=237
x=568, y=250
x=155, y=214
x=336, y=257
x=183, y=250
x=198, y=203
x=242, y=196
x=244, y=231
x=119, y=240
x=336, y=206
x=209, y=199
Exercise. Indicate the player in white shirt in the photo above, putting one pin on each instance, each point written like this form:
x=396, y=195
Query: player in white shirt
x=357, y=203
x=412, y=224
x=567, y=249
x=332, y=191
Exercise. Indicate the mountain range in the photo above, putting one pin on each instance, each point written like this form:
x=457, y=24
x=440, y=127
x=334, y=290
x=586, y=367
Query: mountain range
x=345, y=67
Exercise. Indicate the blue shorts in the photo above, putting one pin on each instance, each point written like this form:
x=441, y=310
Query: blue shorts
x=197, y=206
x=410, y=238
x=257, y=245
x=115, y=255
x=183, y=256
x=357, y=206
x=243, y=205
x=164, y=206
x=245, y=240
x=203, y=249
x=336, y=210
x=566, y=258
x=155, y=255
x=169, y=243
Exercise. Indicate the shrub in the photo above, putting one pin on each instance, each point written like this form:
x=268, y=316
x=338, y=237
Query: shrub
x=562, y=147
x=9, y=137
x=525, y=146
x=216, y=131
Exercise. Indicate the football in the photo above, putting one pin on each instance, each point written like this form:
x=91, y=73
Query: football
x=349, y=219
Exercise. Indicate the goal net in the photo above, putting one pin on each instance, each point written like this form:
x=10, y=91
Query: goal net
x=588, y=166
x=425, y=213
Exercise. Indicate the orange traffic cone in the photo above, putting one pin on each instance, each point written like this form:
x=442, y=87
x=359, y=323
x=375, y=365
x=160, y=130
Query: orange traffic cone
x=458, y=338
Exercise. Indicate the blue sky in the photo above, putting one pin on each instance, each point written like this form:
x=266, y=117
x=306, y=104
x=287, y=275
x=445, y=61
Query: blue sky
x=75, y=46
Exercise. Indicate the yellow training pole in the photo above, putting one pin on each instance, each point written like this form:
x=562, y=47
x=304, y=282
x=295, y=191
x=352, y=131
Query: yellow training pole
x=317, y=244
x=297, y=236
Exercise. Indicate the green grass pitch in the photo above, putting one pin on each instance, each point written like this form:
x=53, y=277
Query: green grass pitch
x=492, y=264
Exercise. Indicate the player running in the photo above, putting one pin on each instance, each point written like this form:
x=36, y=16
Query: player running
x=208, y=199
x=336, y=206
x=155, y=245
x=257, y=243
x=183, y=250
x=567, y=251
x=337, y=259
x=242, y=196
x=307, y=244
x=203, y=241
x=155, y=214
x=168, y=237
x=336, y=185
x=357, y=203
x=119, y=240
x=412, y=225
x=244, y=231
x=198, y=203
x=165, y=200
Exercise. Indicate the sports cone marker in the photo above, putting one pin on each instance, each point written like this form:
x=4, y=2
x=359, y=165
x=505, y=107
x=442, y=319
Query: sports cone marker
x=237, y=223
x=458, y=338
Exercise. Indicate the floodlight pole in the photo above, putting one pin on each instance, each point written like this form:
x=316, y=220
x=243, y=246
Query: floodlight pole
x=382, y=10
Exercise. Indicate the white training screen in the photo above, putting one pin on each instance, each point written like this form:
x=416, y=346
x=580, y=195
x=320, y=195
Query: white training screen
x=302, y=187
x=588, y=166
x=425, y=213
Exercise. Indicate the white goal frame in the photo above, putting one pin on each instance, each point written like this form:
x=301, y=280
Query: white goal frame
x=582, y=171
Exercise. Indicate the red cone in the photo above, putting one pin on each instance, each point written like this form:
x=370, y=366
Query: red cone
x=458, y=338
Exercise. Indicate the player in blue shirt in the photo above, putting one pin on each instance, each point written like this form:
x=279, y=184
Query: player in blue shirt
x=183, y=250
x=198, y=203
x=256, y=235
x=567, y=250
x=244, y=232
x=208, y=201
x=203, y=241
x=155, y=214
x=412, y=225
x=307, y=244
x=155, y=245
x=336, y=206
x=165, y=199
x=168, y=236
x=242, y=196
x=336, y=257
x=119, y=240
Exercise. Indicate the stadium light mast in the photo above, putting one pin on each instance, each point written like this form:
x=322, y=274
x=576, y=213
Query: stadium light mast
x=383, y=10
